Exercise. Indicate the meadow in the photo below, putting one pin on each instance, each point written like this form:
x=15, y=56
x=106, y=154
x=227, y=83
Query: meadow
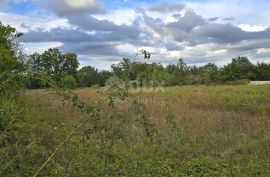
x=175, y=131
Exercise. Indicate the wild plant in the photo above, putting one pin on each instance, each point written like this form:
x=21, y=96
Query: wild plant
x=93, y=111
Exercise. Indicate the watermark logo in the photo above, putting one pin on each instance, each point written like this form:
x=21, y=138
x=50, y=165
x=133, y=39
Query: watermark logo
x=136, y=85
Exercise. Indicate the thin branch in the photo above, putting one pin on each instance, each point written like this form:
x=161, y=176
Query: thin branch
x=15, y=157
x=46, y=94
x=61, y=145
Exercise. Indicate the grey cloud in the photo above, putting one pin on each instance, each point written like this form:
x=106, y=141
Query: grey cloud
x=215, y=19
x=89, y=23
x=58, y=35
x=99, y=39
x=172, y=46
x=179, y=35
x=228, y=19
x=79, y=41
x=154, y=23
x=193, y=29
x=221, y=33
x=189, y=21
x=167, y=7
x=177, y=15
x=250, y=45
x=226, y=33
x=67, y=7
x=92, y=48
x=2, y=3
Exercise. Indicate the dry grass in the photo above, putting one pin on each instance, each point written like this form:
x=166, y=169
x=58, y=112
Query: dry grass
x=214, y=116
x=221, y=122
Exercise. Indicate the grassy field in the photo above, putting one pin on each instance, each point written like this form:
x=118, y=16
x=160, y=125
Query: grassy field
x=198, y=131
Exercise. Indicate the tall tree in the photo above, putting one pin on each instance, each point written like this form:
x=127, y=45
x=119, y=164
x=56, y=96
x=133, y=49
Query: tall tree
x=239, y=68
x=10, y=65
x=55, y=64
x=262, y=71
x=88, y=76
x=8, y=59
x=209, y=72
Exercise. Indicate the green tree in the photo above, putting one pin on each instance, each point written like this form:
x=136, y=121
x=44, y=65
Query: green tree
x=88, y=76
x=239, y=68
x=69, y=82
x=262, y=71
x=10, y=66
x=103, y=75
x=54, y=64
x=209, y=72
x=11, y=73
x=9, y=62
x=124, y=69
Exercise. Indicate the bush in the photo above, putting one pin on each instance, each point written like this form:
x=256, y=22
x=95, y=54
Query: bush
x=238, y=82
x=96, y=86
x=114, y=80
x=69, y=82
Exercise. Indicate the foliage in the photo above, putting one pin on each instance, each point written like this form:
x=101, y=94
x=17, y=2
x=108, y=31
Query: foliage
x=11, y=69
x=114, y=132
x=238, y=82
x=54, y=64
x=239, y=68
x=69, y=82
x=180, y=74
x=89, y=76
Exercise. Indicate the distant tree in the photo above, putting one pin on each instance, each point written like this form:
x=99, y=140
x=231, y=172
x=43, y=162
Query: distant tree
x=182, y=65
x=239, y=68
x=103, y=76
x=69, y=82
x=88, y=76
x=262, y=71
x=11, y=67
x=9, y=61
x=209, y=73
x=54, y=64
x=11, y=78
x=70, y=64
x=177, y=73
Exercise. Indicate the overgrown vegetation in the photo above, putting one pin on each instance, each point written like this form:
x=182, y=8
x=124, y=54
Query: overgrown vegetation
x=183, y=131
x=239, y=71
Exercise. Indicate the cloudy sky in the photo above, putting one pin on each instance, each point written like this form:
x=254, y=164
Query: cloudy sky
x=102, y=32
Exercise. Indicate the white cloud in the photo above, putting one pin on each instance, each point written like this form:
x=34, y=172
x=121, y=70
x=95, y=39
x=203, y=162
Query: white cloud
x=200, y=32
x=81, y=4
x=263, y=50
x=245, y=12
x=39, y=47
x=119, y=16
x=31, y=23
x=220, y=52
x=252, y=28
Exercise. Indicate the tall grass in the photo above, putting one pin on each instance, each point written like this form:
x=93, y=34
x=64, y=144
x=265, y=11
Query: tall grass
x=197, y=132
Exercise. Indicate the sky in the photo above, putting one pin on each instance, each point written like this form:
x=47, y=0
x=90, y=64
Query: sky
x=102, y=32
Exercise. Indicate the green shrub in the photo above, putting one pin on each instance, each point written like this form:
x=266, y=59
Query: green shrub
x=96, y=86
x=69, y=82
x=238, y=82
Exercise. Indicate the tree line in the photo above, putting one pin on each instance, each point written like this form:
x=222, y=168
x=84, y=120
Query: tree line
x=63, y=69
